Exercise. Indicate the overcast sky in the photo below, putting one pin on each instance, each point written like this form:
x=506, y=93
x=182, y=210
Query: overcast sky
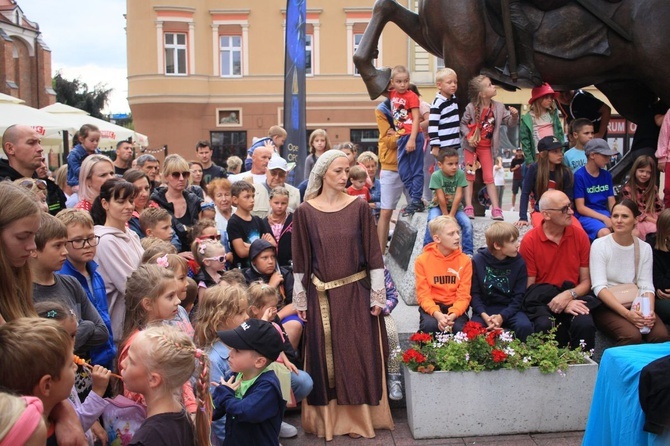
x=87, y=41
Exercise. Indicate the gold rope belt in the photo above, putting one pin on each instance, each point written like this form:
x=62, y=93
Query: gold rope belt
x=322, y=291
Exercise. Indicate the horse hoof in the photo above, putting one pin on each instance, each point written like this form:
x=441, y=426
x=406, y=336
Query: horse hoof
x=377, y=82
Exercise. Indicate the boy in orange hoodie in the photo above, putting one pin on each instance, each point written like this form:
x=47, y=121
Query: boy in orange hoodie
x=443, y=279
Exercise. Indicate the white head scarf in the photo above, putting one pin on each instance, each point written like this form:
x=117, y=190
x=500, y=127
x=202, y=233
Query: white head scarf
x=319, y=170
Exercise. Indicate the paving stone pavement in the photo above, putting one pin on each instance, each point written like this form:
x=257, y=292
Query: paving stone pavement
x=401, y=436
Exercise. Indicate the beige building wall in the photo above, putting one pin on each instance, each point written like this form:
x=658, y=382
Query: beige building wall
x=179, y=110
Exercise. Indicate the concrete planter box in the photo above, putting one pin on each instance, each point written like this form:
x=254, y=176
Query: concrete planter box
x=464, y=404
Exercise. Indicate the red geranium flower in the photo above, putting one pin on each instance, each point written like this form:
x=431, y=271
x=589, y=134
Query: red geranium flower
x=473, y=329
x=491, y=338
x=498, y=355
x=421, y=337
x=413, y=355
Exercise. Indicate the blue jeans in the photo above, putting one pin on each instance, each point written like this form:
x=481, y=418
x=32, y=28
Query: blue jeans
x=410, y=167
x=519, y=323
x=301, y=385
x=463, y=221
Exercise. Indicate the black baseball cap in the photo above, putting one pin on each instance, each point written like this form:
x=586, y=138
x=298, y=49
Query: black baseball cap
x=549, y=143
x=254, y=334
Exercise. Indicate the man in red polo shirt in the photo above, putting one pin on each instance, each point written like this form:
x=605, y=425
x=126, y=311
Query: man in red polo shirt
x=556, y=252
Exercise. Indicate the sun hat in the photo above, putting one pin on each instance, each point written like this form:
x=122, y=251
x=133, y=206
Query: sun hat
x=541, y=91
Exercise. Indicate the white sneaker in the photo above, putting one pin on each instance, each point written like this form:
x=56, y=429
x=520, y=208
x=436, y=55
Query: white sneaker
x=395, y=386
x=287, y=431
x=511, y=209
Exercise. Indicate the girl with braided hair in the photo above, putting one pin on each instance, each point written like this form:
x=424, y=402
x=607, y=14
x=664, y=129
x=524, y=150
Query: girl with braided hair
x=480, y=132
x=152, y=297
x=160, y=360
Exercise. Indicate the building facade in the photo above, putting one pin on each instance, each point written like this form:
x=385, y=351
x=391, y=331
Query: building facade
x=25, y=60
x=212, y=69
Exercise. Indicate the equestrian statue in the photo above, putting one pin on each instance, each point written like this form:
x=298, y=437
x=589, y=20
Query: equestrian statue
x=620, y=46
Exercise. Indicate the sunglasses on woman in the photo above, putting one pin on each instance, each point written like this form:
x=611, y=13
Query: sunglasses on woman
x=185, y=174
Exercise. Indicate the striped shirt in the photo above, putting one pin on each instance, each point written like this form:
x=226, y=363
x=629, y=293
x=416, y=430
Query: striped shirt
x=444, y=122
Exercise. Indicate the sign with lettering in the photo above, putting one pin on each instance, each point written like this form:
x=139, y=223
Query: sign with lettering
x=402, y=243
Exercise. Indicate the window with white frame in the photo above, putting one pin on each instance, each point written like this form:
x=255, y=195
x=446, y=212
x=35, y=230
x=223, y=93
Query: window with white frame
x=231, y=55
x=309, y=54
x=357, y=41
x=175, y=54
x=439, y=63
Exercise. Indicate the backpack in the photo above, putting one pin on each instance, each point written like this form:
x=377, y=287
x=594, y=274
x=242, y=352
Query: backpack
x=121, y=419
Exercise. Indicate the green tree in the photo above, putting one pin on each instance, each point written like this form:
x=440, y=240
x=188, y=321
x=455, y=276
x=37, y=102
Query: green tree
x=75, y=93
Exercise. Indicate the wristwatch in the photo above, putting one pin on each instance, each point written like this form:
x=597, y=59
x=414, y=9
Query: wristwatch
x=574, y=294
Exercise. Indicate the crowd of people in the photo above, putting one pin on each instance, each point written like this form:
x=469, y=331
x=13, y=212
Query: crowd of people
x=187, y=303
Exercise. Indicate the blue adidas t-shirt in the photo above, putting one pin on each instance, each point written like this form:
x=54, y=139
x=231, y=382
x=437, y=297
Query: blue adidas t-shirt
x=594, y=190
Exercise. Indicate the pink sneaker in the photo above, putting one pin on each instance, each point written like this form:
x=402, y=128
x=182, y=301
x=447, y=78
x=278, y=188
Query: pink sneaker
x=496, y=214
x=470, y=212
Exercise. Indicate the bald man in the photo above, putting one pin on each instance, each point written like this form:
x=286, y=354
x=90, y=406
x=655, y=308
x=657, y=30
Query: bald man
x=259, y=165
x=556, y=252
x=22, y=145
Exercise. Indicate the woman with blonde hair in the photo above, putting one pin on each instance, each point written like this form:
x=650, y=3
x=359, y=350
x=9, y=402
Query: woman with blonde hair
x=183, y=206
x=95, y=170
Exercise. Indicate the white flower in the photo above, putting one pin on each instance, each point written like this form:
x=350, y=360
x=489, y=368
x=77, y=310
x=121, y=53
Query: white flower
x=506, y=336
x=467, y=356
x=526, y=359
x=561, y=372
x=460, y=337
x=582, y=344
x=509, y=351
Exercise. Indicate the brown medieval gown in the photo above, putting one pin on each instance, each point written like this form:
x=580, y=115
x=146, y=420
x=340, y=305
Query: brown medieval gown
x=334, y=245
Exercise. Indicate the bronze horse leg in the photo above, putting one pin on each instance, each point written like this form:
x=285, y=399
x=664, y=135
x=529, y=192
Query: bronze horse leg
x=384, y=11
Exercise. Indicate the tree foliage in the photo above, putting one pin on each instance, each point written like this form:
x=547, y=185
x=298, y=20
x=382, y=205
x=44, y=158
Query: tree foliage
x=75, y=93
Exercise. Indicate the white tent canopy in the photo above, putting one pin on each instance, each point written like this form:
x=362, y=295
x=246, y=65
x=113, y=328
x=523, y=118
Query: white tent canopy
x=14, y=111
x=110, y=133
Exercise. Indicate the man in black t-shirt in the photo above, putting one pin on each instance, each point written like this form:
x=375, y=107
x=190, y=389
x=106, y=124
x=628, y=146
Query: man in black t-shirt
x=210, y=170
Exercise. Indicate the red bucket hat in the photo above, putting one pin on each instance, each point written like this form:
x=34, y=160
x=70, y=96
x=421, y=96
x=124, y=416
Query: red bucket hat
x=540, y=91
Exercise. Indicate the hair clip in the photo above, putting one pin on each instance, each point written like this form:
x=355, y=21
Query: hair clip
x=202, y=248
x=198, y=353
x=163, y=261
x=52, y=314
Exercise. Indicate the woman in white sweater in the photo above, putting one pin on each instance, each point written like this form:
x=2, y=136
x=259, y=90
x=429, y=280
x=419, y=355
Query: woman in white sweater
x=612, y=262
x=119, y=252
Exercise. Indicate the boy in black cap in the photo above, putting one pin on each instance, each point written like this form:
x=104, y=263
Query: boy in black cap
x=252, y=401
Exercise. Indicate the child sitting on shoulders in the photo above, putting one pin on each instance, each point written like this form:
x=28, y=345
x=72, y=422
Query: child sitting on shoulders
x=499, y=279
x=443, y=279
x=251, y=401
x=357, y=177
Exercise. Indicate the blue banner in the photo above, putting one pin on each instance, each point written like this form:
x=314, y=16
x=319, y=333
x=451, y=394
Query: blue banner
x=295, y=147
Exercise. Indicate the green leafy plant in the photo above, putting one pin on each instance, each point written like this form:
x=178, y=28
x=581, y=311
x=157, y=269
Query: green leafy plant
x=477, y=349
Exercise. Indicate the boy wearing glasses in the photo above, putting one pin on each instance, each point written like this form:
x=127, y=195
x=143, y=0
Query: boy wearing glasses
x=93, y=339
